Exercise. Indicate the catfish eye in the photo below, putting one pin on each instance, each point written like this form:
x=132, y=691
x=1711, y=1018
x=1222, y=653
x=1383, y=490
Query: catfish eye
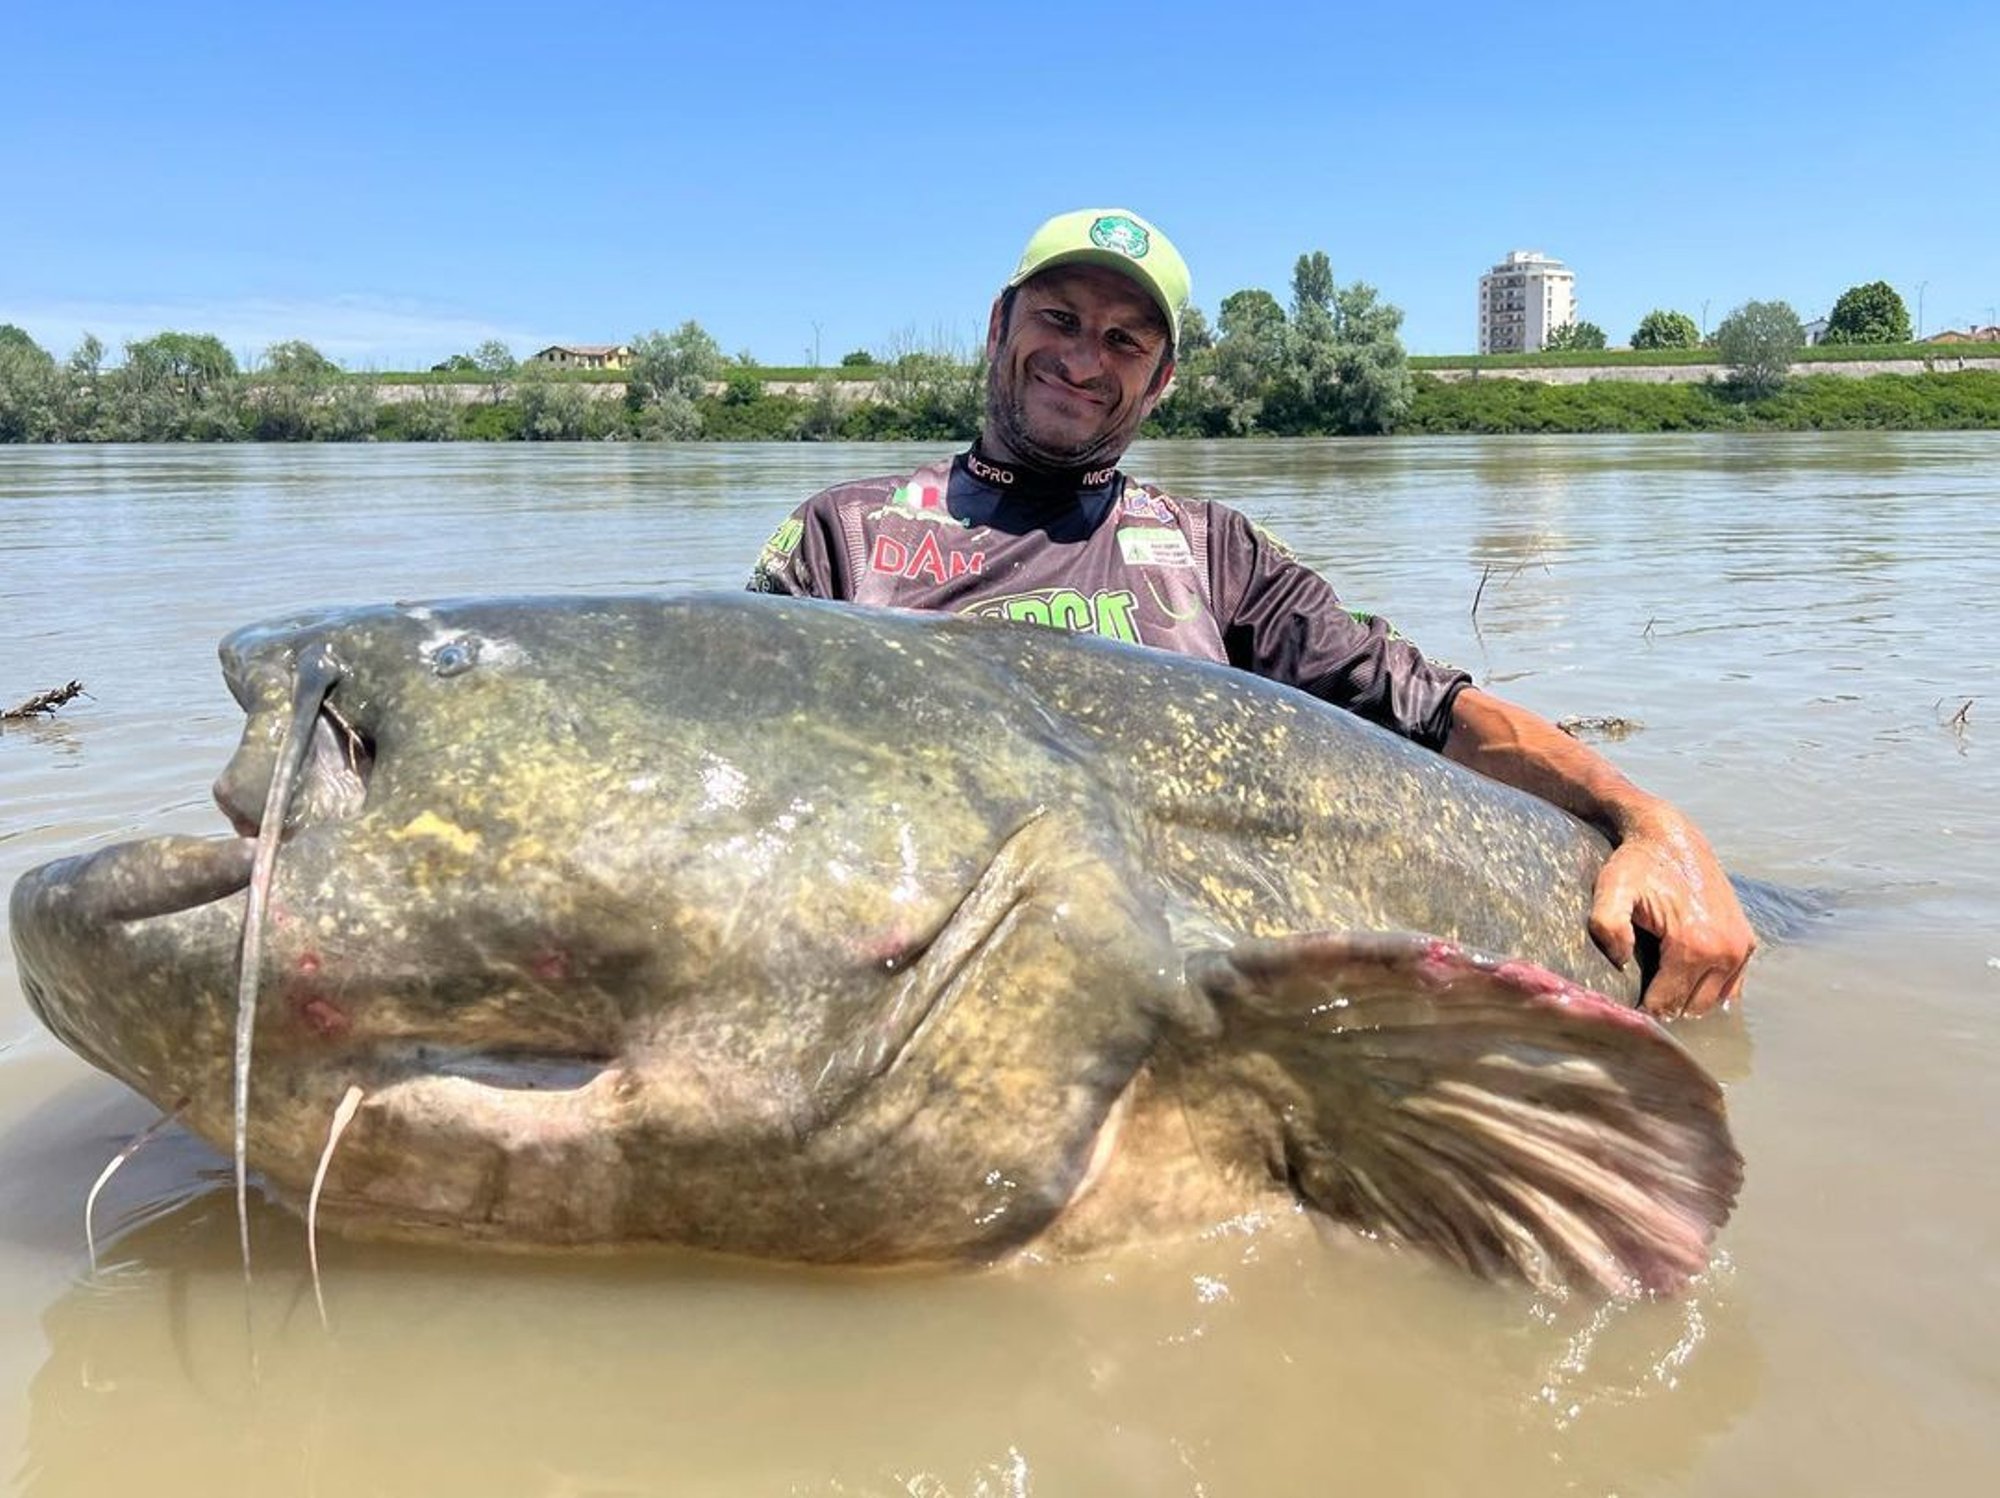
x=455, y=657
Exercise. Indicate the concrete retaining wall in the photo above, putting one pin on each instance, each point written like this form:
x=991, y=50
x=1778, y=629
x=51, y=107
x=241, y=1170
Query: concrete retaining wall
x=1696, y=374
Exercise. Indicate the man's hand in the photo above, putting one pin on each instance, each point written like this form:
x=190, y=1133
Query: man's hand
x=1661, y=876
x=1666, y=880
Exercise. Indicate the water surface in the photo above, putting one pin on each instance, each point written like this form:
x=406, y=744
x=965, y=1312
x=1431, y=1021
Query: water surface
x=1794, y=620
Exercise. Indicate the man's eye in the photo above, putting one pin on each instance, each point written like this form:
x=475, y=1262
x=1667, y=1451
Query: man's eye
x=1062, y=319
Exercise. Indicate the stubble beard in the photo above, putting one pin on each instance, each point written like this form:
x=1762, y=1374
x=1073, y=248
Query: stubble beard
x=1007, y=422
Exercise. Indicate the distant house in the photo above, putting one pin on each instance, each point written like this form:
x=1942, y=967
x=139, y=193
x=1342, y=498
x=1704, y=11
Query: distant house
x=1815, y=330
x=585, y=355
x=1970, y=335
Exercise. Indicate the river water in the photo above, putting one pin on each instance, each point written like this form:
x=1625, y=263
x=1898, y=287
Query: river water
x=1794, y=620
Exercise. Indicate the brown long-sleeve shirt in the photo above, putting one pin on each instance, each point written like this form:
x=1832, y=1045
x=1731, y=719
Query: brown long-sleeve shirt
x=1106, y=554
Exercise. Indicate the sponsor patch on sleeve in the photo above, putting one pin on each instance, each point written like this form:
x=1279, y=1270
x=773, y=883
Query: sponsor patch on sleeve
x=775, y=563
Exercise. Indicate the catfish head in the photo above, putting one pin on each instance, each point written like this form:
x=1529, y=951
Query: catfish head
x=717, y=923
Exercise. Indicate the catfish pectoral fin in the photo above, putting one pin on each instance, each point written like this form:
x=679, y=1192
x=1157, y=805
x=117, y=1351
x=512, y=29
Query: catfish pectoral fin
x=1489, y=1111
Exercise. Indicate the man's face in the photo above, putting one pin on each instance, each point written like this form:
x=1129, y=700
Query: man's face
x=1080, y=366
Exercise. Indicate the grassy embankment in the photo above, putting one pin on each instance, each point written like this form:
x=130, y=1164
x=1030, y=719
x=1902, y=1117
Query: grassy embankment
x=1888, y=402
x=1823, y=353
x=1502, y=399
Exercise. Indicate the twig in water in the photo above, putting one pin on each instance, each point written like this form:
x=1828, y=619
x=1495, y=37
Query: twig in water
x=1599, y=726
x=44, y=704
x=1486, y=576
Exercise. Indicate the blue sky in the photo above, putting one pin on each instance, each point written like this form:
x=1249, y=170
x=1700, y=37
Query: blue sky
x=396, y=182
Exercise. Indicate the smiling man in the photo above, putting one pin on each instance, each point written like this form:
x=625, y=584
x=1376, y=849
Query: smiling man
x=1037, y=523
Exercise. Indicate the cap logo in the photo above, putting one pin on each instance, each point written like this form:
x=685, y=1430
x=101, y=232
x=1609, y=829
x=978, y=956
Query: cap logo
x=1116, y=232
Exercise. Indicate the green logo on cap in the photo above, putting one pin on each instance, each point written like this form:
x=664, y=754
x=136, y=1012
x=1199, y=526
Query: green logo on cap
x=1116, y=232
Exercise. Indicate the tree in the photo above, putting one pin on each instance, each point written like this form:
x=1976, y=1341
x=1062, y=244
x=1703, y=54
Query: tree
x=935, y=392
x=1758, y=341
x=83, y=392
x=1344, y=369
x=1250, y=314
x=295, y=359
x=858, y=358
x=348, y=413
x=30, y=390
x=668, y=374
x=17, y=342
x=1873, y=313
x=289, y=397
x=192, y=363
x=1312, y=285
x=1245, y=362
x=552, y=409
x=433, y=416
x=1196, y=335
x=175, y=387
x=493, y=358
x=1574, y=335
x=1663, y=329
x=86, y=360
x=824, y=410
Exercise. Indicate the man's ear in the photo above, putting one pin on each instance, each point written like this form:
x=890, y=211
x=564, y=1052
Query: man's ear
x=1162, y=382
x=995, y=326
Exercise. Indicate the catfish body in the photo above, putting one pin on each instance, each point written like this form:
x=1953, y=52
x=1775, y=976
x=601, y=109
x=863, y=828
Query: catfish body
x=794, y=930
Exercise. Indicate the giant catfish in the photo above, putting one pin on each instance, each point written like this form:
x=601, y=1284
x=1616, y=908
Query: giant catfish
x=785, y=929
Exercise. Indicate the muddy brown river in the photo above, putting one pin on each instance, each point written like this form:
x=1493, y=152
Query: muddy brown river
x=1796, y=624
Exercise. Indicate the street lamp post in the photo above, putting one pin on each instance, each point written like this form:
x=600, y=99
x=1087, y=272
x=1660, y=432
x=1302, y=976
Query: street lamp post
x=1704, y=319
x=1921, y=286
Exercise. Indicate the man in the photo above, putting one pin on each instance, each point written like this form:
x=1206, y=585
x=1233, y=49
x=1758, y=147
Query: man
x=1037, y=523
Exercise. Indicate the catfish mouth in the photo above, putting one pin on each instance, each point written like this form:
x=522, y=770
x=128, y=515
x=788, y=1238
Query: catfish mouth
x=164, y=876
x=334, y=766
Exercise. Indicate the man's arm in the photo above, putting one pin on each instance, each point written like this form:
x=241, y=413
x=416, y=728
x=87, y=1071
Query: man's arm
x=802, y=558
x=1661, y=876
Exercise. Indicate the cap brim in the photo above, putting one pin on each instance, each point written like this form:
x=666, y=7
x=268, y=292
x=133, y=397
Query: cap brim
x=1125, y=265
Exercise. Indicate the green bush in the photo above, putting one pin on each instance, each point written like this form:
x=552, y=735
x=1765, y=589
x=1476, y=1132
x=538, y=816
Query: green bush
x=1807, y=403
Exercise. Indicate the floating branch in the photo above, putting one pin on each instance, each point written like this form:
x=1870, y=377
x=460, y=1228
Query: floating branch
x=44, y=704
x=1599, y=727
x=1486, y=576
x=1961, y=720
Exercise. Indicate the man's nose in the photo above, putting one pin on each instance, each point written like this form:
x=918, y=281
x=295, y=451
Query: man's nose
x=1082, y=358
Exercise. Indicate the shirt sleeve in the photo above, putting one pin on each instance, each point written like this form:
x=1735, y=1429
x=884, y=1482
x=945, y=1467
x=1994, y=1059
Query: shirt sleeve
x=1283, y=620
x=804, y=558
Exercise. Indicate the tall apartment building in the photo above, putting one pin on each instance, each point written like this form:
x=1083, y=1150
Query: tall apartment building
x=1522, y=300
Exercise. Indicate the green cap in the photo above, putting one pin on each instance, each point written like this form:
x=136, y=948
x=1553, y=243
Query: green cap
x=1120, y=240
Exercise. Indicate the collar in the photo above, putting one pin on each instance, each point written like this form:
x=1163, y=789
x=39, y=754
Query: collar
x=1037, y=483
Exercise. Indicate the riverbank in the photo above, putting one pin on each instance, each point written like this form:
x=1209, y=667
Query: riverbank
x=1967, y=400
x=1878, y=395
x=943, y=402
